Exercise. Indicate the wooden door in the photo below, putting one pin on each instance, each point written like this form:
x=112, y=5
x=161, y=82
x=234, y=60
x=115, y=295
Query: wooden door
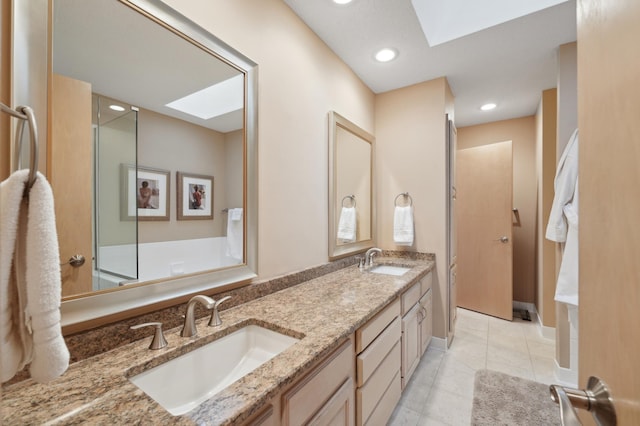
x=71, y=178
x=609, y=188
x=484, y=209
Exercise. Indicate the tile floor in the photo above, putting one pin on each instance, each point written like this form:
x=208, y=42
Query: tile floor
x=441, y=389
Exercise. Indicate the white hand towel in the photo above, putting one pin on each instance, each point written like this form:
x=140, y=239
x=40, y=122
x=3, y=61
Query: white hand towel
x=44, y=286
x=347, y=225
x=403, y=226
x=235, y=234
x=235, y=214
x=12, y=329
x=37, y=266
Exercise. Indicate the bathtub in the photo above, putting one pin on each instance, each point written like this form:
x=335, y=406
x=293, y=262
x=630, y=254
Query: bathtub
x=164, y=259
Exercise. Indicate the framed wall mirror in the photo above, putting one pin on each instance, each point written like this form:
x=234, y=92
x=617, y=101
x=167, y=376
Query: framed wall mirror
x=352, y=213
x=139, y=98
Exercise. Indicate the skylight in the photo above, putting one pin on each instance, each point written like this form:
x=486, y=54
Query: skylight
x=213, y=101
x=443, y=21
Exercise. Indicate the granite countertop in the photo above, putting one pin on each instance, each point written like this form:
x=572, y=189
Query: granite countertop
x=322, y=312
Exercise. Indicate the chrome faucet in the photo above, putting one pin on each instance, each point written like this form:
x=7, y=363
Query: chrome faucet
x=215, y=320
x=189, y=329
x=368, y=257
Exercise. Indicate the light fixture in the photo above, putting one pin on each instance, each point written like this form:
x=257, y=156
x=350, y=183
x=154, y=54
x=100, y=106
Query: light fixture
x=342, y=1
x=116, y=108
x=386, y=55
x=488, y=107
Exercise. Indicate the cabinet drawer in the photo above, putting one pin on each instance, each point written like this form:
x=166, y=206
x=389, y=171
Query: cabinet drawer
x=368, y=361
x=387, y=404
x=371, y=330
x=410, y=297
x=313, y=391
x=369, y=395
x=426, y=282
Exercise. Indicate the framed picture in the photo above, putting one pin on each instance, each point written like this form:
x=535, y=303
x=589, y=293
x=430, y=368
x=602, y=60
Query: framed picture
x=195, y=196
x=144, y=194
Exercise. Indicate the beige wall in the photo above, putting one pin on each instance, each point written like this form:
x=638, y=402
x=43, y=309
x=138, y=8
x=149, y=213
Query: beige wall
x=233, y=150
x=567, y=123
x=567, y=94
x=522, y=133
x=162, y=143
x=411, y=157
x=545, y=170
x=300, y=80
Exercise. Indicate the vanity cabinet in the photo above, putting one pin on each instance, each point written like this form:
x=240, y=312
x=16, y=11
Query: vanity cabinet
x=325, y=395
x=416, y=325
x=378, y=361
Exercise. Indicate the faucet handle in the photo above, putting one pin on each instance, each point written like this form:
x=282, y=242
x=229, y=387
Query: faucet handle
x=158, y=341
x=215, y=320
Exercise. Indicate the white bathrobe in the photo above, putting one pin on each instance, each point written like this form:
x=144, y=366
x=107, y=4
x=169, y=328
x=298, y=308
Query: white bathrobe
x=563, y=221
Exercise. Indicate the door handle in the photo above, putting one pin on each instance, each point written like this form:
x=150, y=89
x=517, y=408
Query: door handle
x=596, y=399
x=77, y=260
x=504, y=239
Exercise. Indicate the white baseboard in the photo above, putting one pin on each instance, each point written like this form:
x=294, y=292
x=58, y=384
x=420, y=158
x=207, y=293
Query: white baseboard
x=547, y=332
x=438, y=343
x=566, y=376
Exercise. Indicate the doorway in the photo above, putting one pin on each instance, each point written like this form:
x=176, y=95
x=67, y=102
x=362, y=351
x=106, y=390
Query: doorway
x=484, y=217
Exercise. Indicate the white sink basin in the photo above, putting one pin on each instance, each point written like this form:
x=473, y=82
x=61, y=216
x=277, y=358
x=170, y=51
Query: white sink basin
x=183, y=383
x=389, y=270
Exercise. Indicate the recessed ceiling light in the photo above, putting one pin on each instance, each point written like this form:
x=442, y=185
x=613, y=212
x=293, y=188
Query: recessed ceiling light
x=488, y=107
x=342, y=1
x=386, y=55
x=116, y=108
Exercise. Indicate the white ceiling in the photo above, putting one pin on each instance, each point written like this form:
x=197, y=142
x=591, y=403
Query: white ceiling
x=130, y=58
x=509, y=64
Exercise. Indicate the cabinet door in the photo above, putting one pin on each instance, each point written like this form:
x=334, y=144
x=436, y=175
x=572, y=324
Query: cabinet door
x=410, y=343
x=338, y=411
x=309, y=395
x=426, y=322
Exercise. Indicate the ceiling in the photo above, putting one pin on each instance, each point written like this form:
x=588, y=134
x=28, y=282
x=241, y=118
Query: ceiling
x=509, y=64
x=123, y=55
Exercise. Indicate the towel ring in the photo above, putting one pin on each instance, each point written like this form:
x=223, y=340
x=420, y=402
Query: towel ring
x=25, y=113
x=353, y=200
x=405, y=195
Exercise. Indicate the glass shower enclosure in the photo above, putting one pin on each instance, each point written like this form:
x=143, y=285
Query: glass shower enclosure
x=115, y=230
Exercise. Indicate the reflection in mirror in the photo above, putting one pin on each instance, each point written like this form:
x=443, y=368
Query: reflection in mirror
x=114, y=125
x=192, y=123
x=163, y=163
x=351, y=191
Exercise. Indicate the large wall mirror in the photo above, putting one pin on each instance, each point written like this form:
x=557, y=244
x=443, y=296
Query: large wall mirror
x=352, y=214
x=152, y=156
